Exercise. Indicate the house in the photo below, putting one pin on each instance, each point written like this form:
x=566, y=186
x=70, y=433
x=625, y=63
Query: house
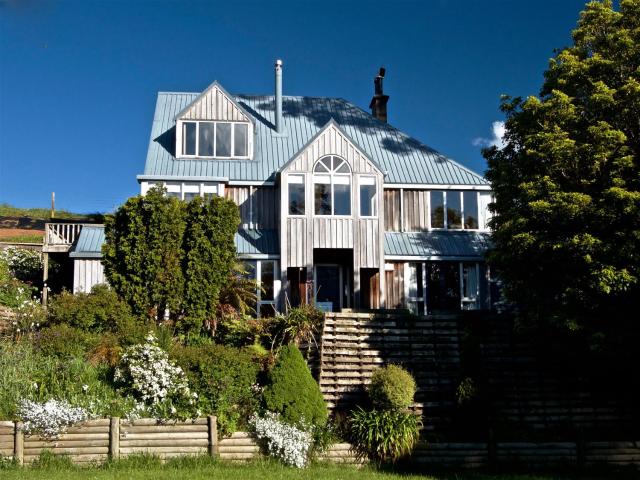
x=337, y=205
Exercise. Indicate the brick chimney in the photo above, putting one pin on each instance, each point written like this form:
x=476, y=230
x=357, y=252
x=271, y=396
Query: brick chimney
x=379, y=101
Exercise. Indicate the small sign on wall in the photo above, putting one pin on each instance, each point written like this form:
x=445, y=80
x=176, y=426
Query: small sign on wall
x=325, y=306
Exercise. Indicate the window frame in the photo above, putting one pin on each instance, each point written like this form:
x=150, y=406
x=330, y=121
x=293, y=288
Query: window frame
x=446, y=193
x=332, y=173
x=257, y=268
x=304, y=194
x=375, y=208
x=180, y=141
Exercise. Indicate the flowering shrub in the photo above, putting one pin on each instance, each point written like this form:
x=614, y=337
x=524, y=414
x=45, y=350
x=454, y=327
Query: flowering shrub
x=28, y=316
x=288, y=443
x=25, y=265
x=51, y=418
x=146, y=373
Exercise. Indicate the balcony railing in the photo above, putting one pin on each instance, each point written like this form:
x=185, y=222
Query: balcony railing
x=59, y=237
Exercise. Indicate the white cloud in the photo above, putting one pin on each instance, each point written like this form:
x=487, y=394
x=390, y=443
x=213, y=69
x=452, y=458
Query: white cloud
x=497, y=136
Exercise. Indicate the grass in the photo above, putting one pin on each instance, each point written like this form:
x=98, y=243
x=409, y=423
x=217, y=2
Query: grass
x=7, y=210
x=33, y=238
x=141, y=467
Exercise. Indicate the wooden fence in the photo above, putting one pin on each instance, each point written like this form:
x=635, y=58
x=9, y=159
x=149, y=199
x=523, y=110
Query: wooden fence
x=97, y=440
x=525, y=398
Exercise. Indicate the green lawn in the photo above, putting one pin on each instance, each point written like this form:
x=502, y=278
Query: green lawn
x=35, y=238
x=204, y=468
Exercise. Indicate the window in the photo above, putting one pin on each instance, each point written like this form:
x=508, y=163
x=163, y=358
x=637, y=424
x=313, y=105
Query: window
x=368, y=198
x=470, y=208
x=264, y=272
x=296, y=194
x=189, y=138
x=332, y=186
x=215, y=139
x=437, y=209
x=456, y=210
x=484, y=215
x=469, y=288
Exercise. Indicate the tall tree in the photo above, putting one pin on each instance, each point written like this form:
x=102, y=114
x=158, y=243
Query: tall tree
x=143, y=253
x=567, y=183
x=210, y=256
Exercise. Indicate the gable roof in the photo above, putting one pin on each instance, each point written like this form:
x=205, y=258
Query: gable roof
x=330, y=124
x=214, y=86
x=404, y=159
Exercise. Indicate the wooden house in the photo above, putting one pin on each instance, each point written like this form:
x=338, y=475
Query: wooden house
x=337, y=205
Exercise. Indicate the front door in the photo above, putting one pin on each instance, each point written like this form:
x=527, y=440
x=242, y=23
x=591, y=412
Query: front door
x=328, y=286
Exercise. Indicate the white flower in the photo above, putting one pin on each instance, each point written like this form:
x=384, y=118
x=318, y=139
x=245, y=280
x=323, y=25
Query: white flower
x=49, y=419
x=288, y=443
x=85, y=388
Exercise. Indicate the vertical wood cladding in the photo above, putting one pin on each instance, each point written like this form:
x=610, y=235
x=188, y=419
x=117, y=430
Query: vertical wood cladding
x=395, y=286
x=258, y=206
x=416, y=208
x=392, y=210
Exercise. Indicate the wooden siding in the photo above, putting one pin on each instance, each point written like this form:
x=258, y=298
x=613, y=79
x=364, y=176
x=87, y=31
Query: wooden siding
x=369, y=243
x=297, y=242
x=416, y=210
x=392, y=210
x=86, y=274
x=214, y=105
x=265, y=207
x=258, y=205
x=395, y=286
x=240, y=196
x=332, y=232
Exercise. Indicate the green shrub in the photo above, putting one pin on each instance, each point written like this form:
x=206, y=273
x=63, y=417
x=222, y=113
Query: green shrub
x=98, y=311
x=65, y=342
x=25, y=265
x=28, y=374
x=13, y=292
x=392, y=388
x=293, y=392
x=383, y=436
x=225, y=379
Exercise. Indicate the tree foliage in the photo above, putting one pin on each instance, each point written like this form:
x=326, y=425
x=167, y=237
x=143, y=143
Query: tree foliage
x=292, y=392
x=161, y=253
x=567, y=181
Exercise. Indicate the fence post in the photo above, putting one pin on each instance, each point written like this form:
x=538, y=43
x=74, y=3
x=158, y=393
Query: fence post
x=212, y=422
x=114, y=437
x=18, y=443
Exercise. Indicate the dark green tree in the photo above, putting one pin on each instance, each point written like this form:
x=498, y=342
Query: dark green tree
x=210, y=256
x=143, y=253
x=161, y=253
x=567, y=184
x=292, y=392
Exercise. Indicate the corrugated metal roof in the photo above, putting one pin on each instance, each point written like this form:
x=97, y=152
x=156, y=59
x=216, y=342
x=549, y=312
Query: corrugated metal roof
x=248, y=242
x=89, y=244
x=472, y=245
x=403, y=158
x=257, y=242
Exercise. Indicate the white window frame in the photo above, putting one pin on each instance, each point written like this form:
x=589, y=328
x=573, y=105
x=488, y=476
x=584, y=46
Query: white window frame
x=180, y=188
x=446, y=194
x=332, y=174
x=180, y=140
x=299, y=179
x=368, y=180
x=276, y=285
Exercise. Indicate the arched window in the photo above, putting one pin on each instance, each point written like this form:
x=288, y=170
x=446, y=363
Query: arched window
x=332, y=186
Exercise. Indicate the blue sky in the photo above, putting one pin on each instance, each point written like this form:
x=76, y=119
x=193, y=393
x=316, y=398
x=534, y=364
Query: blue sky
x=78, y=80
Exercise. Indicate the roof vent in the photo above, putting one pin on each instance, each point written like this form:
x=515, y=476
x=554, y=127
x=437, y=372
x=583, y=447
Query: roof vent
x=379, y=101
x=278, y=97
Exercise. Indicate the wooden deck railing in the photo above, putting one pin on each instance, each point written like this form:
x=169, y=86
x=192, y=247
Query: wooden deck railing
x=59, y=237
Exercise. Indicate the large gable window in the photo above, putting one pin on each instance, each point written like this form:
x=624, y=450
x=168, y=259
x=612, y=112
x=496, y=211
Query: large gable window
x=332, y=186
x=207, y=139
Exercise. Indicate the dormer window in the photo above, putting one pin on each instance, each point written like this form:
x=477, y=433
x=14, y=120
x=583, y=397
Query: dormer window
x=207, y=139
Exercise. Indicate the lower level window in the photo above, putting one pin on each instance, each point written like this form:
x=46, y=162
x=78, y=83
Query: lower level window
x=264, y=272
